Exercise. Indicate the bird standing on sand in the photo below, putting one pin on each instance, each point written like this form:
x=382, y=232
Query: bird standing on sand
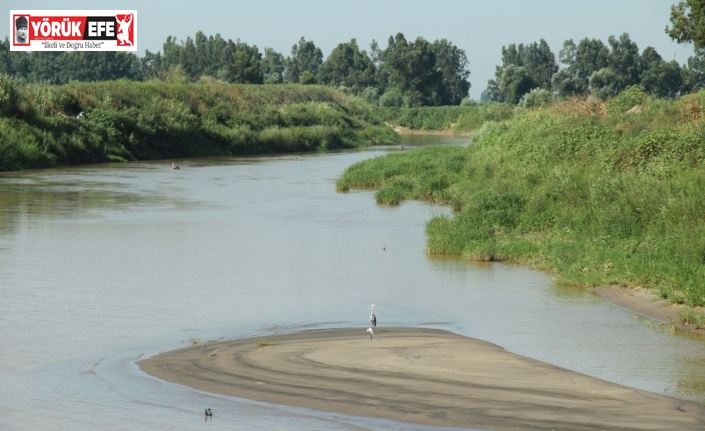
x=371, y=332
x=373, y=318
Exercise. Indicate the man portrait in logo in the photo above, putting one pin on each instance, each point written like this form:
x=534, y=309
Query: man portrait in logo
x=21, y=34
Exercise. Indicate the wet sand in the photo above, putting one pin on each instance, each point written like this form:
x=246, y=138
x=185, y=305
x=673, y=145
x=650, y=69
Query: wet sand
x=421, y=376
x=647, y=303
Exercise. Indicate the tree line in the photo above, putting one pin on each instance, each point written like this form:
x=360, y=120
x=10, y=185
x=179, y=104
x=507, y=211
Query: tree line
x=407, y=73
x=592, y=66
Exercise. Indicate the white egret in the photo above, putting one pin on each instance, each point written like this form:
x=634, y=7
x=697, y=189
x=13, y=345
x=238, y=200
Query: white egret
x=371, y=332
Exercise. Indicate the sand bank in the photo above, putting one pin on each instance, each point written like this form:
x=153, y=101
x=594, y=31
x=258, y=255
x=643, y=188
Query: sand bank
x=422, y=376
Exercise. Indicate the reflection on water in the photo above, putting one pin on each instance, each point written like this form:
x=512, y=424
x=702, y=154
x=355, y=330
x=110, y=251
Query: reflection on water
x=103, y=265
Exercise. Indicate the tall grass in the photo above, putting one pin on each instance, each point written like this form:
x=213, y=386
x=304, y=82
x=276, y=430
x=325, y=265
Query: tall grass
x=593, y=195
x=127, y=120
x=461, y=119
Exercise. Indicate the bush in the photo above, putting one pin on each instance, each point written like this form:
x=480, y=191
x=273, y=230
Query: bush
x=536, y=98
x=8, y=96
x=627, y=99
x=391, y=98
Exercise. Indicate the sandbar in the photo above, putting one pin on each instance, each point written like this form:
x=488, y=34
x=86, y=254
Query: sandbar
x=418, y=375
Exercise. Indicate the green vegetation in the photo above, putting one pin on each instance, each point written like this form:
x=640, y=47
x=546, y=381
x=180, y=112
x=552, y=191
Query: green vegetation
x=594, y=192
x=461, y=119
x=407, y=73
x=124, y=120
x=687, y=23
x=265, y=343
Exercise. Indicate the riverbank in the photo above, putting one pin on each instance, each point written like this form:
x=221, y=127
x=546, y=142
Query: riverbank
x=445, y=132
x=115, y=121
x=424, y=376
x=592, y=199
x=646, y=303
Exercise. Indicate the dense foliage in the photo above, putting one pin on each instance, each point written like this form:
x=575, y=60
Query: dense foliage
x=591, y=66
x=43, y=126
x=421, y=72
x=597, y=193
x=407, y=73
x=688, y=23
x=459, y=119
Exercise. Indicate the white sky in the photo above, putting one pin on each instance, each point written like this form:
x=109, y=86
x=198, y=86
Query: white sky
x=480, y=27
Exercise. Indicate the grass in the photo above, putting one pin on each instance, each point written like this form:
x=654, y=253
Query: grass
x=591, y=193
x=128, y=120
x=265, y=343
x=461, y=119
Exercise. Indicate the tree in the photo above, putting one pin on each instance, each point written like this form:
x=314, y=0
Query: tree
x=581, y=61
x=694, y=72
x=659, y=77
x=13, y=63
x=688, y=20
x=188, y=60
x=245, y=64
x=46, y=66
x=412, y=69
x=349, y=67
x=604, y=83
x=514, y=83
x=524, y=67
x=540, y=63
x=272, y=67
x=152, y=64
x=452, y=62
x=624, y=60
x=491, y=93
x=381, y=69
x=99, y=66
x=565, y=83
x=568, y=53
x=305, y=57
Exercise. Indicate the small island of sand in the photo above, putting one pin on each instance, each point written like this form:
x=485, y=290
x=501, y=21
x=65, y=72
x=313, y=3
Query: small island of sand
x=421, y=376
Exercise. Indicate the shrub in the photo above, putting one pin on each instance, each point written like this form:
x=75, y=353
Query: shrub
x=8, y=96
x=627, y=99
x=391, y=98
x=536, y=98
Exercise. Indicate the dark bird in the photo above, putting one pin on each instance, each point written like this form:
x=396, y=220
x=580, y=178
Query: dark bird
x=209, y=413
x=373, y=318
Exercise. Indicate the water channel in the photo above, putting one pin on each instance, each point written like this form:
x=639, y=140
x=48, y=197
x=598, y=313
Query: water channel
x=103, y=265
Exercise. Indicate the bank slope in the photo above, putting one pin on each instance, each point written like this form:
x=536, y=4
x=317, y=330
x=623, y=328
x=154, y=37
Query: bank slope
x=44, y=126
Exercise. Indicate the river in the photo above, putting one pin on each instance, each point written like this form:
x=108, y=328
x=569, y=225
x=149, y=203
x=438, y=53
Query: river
x=102, y=265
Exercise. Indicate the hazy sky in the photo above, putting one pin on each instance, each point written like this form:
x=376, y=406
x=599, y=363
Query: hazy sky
x=480, y=27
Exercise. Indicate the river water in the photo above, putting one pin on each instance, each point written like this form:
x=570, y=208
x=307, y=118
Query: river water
x=103, y=265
